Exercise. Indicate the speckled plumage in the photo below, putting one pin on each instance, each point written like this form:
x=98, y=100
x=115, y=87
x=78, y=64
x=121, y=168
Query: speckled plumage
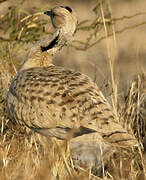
x=52, y=96
x=58, y=102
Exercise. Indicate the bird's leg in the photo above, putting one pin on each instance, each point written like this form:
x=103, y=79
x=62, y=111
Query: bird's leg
x=67, y=149
x=65, y=152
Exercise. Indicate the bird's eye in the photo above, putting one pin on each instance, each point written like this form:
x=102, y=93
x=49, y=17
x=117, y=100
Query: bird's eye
x=68, y=8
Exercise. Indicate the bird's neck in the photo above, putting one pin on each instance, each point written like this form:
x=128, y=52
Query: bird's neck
x=41, y=54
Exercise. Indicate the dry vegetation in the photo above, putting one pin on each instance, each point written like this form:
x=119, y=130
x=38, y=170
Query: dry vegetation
x=109, y=46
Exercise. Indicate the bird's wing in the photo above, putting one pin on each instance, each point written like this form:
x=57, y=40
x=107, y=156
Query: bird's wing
x=57, y=102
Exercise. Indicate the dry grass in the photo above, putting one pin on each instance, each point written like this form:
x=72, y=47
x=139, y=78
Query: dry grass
x=25, y=155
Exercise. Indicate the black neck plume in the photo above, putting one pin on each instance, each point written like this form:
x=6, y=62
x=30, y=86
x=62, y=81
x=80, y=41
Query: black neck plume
x=51, y=45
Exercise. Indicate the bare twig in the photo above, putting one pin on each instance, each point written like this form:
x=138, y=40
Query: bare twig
x=109, y=35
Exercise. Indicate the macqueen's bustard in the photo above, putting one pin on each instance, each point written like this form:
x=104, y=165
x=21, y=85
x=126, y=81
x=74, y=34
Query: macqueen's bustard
x=58, y=102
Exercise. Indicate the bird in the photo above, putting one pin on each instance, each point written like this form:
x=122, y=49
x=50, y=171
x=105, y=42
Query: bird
x=63, y=103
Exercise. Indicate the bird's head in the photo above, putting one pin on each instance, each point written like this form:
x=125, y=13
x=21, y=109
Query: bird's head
x=63, y=18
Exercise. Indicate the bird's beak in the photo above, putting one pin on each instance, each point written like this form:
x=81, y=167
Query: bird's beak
x=48, y=13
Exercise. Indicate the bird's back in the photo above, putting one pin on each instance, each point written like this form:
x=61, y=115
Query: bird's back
x=53, y=97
